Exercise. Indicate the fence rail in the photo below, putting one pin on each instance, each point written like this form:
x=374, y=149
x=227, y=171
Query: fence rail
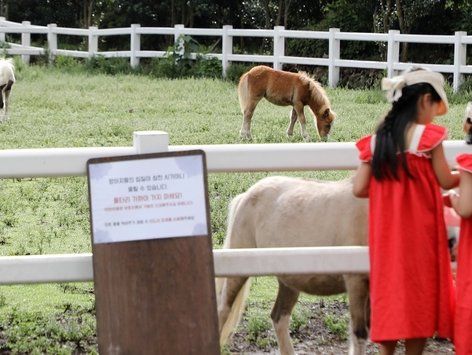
x=54, y=162
x=228, y=262
x=279, y=34
x=60, y=162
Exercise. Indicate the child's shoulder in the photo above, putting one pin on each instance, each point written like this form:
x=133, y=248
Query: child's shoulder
x=364, y=146
x=431, y=136
x=465, y=162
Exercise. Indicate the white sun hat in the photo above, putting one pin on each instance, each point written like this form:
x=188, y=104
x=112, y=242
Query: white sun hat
x=394, y=85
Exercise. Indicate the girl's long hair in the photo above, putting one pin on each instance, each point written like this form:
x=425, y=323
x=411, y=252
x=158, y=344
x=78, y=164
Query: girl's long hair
x=389, y=153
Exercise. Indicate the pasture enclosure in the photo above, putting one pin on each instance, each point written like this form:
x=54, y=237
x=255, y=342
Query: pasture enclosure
x=55, y=162
x=42, y=215
x=278, y=35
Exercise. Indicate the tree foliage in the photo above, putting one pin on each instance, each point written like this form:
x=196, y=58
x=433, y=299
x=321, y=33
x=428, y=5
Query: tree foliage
x=408, y=16
x=366, y=15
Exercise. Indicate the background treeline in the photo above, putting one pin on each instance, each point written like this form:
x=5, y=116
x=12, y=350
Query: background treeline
x=408, y=16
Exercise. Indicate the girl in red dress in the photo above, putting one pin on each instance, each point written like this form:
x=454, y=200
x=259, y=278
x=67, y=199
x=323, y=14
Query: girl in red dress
x=403, y=167
x=462, y=203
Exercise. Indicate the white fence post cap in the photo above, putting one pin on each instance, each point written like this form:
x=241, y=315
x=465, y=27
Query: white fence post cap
x=150, y=141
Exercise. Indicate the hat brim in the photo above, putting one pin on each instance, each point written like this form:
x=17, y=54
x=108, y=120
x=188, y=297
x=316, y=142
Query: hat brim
x=436, y=80
x=443, y=106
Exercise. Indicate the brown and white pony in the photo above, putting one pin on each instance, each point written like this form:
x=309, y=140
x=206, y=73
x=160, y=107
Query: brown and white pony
x=284, y=88
x=7, y=79
x=288, y=212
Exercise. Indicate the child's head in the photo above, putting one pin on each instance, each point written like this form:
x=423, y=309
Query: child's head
x=425, y=86
x=416, y=96
x=468, y=123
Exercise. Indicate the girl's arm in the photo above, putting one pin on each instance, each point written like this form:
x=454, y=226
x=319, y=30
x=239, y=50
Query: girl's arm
x=463, y=203
x=446, y=178
x=362, y=180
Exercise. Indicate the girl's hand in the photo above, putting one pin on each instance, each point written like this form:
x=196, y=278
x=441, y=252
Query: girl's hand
x=447, y=200
x=446, y=178
x=462, y=203
x=448, y=196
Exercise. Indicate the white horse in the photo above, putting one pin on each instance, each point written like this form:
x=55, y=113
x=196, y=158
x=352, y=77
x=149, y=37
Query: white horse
x=7, y=79
x=289, y=212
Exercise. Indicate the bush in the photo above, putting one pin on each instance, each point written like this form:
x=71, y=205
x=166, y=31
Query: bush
x=235, y=70
x=207, y=67
x=360, y=78
x=100, y=64
x=178, y=62
x=307, y=47
x=165, y=68
x=69, y=64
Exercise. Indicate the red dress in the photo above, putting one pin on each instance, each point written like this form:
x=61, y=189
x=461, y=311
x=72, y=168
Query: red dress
x=412, y=294
x=463, y=321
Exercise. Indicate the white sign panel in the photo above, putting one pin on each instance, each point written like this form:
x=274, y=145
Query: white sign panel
x=148, y=198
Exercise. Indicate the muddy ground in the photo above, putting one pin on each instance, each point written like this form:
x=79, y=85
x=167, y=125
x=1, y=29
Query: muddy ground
x=315, y=337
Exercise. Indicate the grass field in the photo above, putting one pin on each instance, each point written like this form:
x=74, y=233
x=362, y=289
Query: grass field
x=50, y=108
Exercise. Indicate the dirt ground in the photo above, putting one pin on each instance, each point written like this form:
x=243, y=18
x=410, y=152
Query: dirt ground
x=315, y=337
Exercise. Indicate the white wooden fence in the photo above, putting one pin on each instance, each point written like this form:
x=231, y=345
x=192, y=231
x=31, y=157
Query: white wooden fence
x=459, y=41
x=56, y=162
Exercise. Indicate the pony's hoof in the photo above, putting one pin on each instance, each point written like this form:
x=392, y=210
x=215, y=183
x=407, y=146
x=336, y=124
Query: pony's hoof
x=307, y=138
x=290, y=133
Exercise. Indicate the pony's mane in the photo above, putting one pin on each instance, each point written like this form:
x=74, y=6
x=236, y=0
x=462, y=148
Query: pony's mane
x=316, y=90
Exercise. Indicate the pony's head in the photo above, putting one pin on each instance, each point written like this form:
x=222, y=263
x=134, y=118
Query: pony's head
x=321, y=108
x=468, y=123
x=324, y=121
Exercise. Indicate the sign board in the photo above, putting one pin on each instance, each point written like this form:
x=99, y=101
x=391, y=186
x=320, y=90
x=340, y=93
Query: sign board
x=152, y=254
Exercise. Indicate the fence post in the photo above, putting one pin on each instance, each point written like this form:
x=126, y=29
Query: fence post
x=2, y=35
x=227, y=48
x=393, y=52
x=150, y=142
x=52, y=42
x=26, y=41
x=179, y=43
x=334, y=54
x=460, y=51
x=279, y=46
x=135, y=46
x=92, y=42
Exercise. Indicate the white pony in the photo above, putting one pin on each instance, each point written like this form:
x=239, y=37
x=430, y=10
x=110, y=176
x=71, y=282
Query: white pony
x=288, y=212
x=7, y=79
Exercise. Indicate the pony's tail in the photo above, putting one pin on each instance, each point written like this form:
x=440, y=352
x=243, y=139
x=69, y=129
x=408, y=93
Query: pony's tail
x=237, y=310
x=239, y=304
x=233, y=206
x=243, y=92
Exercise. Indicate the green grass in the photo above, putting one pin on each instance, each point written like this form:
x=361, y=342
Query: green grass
x=50, y=108
x=337, y=325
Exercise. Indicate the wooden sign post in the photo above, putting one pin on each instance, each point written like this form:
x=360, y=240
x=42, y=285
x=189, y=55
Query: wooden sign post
x=152, y=254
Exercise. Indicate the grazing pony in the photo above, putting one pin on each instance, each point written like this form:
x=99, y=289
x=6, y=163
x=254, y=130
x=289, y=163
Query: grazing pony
x=7, y=79
x=289, y=212
x=284, y=88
